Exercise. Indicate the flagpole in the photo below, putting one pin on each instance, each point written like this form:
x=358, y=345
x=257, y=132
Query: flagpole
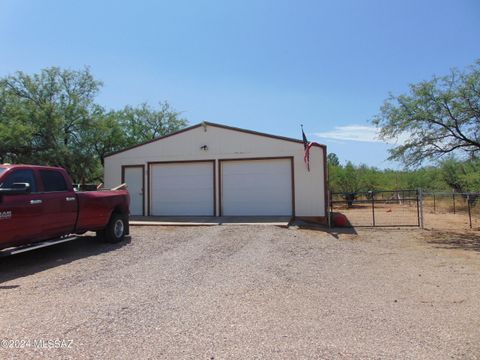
x=307, y=145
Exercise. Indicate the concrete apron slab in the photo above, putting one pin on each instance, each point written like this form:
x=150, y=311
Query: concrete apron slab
x=282, y=221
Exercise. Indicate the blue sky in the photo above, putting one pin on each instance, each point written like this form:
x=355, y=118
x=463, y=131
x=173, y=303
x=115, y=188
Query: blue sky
x=263, y=65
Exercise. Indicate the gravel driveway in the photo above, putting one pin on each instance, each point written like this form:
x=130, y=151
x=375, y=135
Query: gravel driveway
x=242, y=292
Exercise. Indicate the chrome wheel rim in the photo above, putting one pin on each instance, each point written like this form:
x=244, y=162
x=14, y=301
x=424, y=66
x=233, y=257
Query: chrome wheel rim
x=118, y=228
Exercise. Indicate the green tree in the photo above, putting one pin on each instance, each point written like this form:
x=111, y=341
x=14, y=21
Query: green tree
x=51, y=118
x=368, y=178
x=461, y=176
x=348, y=179
x=43, y=115
x=436, y=117
x=144, y=123
x=333, y=160
x=470, y=180
x=106, y=134
x=115, y=130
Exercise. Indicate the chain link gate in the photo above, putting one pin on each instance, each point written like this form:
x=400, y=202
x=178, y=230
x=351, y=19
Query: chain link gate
x=378, y=208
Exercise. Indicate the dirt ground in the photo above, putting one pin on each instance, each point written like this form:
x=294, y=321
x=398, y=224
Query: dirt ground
x=230, y=292
x=449, y=221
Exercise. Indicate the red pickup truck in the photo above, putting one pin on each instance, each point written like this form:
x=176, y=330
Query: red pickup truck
x=38, y=203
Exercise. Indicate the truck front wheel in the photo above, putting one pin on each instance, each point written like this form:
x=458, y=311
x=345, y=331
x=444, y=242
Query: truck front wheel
x=115, y=230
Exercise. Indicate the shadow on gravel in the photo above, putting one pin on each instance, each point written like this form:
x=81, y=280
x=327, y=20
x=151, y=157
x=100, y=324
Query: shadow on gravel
x=31, y=262
x=335, y=232
x=453, y=240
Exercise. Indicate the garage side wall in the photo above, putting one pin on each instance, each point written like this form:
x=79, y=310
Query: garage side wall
x=221, y=143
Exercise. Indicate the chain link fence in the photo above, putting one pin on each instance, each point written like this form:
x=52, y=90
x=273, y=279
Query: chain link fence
x=453, y=211
x=431, y=210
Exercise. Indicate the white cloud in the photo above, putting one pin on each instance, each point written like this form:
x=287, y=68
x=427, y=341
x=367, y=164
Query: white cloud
x=361, y=133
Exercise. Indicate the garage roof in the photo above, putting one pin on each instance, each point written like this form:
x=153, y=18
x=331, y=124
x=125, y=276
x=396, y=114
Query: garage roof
x=216, y=125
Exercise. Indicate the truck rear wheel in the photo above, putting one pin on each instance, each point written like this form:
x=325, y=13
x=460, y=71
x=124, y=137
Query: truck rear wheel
x=116, y=229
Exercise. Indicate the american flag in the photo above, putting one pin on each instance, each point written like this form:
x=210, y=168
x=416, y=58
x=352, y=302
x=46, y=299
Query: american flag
x=307, y=145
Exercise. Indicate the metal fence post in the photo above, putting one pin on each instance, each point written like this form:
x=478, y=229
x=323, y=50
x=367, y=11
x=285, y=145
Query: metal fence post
x=434, y=207
x=373, y=208
x=453, y=196
x=469, y=211
x=420, y=208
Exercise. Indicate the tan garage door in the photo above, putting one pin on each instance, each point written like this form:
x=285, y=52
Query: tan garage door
x=182, y=189
x=256, y=187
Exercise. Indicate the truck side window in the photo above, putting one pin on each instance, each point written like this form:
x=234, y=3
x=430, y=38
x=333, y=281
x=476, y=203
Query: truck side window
x=20, y=176
x=53, y=181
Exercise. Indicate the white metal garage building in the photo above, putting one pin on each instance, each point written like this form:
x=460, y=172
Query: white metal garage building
x=216, y=170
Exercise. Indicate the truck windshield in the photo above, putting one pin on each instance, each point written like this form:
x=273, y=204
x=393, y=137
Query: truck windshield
x=2, y=170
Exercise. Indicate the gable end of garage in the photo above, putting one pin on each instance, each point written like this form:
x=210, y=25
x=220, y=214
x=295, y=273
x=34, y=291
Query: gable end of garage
x=206, y=123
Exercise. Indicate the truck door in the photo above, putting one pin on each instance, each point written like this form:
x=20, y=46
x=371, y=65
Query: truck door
x=60, y=204
x=20, y=214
